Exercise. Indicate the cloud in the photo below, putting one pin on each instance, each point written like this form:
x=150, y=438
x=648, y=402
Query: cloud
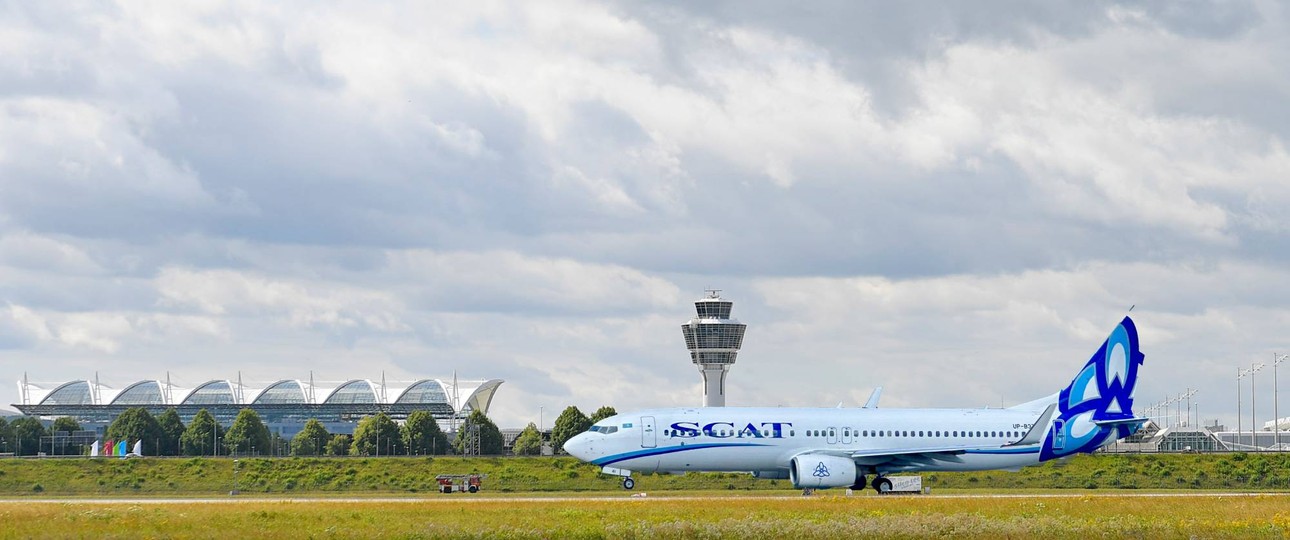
x=913, y=195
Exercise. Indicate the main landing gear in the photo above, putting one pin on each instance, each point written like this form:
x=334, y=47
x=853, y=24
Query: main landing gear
x=628, y=483
x=881, y=485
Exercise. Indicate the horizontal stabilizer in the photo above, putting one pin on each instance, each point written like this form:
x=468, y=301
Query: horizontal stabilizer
x=1036, y=433
x=1120, y=421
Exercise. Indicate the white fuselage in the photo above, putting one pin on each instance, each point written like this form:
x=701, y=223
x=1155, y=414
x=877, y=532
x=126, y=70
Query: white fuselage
x=766, y=439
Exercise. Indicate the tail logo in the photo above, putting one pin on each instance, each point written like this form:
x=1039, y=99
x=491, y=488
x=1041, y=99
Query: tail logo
x=1103, y=390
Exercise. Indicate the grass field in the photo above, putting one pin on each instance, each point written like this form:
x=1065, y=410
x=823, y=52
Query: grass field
x=1075, y=516
x=310, y=476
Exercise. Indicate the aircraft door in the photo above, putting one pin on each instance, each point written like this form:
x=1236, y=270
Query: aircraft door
x=649, y=438
x=831, y=435
x=846, y=435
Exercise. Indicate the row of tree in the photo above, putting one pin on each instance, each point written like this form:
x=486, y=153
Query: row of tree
x=166, y=435
x=23, y=435
x=378, y=435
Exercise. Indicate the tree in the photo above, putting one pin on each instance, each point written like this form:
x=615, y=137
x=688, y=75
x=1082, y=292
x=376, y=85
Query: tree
x=136, y=424
x=422, y=436
x=529, y=443
x=172, y=428
x=601, y=414
x=312, y=439
x=248, y=434
x=377, y=436
x=200, y=436
x=489, y=437
x=27, y=432
x=570, y=422
x=6, y=436
x=339, y=445
x=65, y=425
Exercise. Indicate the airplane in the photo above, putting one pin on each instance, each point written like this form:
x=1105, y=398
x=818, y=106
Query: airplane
x=833, y=448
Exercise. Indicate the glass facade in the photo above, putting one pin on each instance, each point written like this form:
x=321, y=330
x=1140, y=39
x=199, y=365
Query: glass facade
x=424, y=392
x=212, y=393
x=713, y=309
x=286, y=403
x=353, y=392
x=713, y=335
x=282, y=392
x=72, y=393
x=141, y=393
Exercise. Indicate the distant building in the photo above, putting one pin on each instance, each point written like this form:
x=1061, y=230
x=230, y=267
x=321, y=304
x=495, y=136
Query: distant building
x=284, y=405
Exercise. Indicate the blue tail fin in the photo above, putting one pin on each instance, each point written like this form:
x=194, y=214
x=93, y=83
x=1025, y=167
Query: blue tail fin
x=1097, y=407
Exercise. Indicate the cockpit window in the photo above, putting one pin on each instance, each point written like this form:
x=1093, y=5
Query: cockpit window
x=604, y=429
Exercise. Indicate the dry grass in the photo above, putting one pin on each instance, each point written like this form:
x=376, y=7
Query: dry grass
x=1247, y=516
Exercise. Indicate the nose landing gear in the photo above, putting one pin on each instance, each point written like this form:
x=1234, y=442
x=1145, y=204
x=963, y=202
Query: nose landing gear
x=628, y=483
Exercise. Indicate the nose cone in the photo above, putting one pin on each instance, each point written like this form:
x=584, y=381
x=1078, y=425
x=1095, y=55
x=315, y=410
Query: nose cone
x=579, y=446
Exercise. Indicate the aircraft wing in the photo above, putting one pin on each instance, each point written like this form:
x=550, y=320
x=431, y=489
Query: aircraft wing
x=908, y=457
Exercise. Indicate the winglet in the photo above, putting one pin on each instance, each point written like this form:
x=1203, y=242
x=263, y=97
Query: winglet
x=873, y=398
x=1037, y=431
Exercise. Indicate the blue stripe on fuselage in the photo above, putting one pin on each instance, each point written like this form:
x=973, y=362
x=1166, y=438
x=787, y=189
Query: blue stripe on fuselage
x=609, y=460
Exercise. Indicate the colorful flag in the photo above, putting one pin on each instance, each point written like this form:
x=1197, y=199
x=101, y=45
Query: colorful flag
x=108, y=447
x=120, y=449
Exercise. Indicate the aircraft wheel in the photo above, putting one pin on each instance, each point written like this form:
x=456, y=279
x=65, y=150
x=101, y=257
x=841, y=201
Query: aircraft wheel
x=861, y=483
x=628, y=483
x=883, y=485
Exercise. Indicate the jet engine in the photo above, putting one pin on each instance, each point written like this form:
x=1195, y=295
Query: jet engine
x=822, y=471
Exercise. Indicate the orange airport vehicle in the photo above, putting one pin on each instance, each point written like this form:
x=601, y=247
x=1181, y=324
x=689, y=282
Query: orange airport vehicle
x=449, y=483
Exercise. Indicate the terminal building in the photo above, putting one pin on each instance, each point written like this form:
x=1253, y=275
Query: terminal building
x=283, y=405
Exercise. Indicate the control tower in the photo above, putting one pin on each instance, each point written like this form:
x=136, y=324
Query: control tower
x=714, y=340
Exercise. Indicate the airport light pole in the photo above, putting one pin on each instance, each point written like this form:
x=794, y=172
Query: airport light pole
x=1276, y=412
x=1254, y=368
x=1240, y=374
x=1190, y=392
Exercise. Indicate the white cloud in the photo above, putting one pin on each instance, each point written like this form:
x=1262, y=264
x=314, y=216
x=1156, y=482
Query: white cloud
x=297, y=304
x=948, y=201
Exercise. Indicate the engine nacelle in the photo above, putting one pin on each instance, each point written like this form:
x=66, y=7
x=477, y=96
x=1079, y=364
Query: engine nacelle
x=822, y=471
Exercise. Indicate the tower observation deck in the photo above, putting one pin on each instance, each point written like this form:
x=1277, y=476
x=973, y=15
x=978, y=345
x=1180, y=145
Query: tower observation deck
x=714, y=340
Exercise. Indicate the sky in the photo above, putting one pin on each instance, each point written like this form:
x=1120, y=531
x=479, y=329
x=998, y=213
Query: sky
x=955, y=201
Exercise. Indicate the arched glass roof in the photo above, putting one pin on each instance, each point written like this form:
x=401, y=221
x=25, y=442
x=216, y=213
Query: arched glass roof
x=427, y=391
x=211, y=393
x=357, y=391
x=288, y=391
x=72, y=393
x=140, y=393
